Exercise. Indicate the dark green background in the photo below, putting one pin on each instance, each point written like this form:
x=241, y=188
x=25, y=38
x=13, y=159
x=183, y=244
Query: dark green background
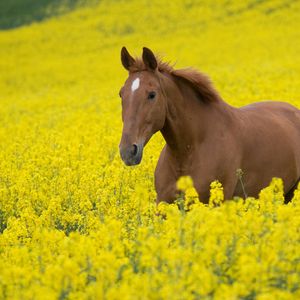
x=15, y=13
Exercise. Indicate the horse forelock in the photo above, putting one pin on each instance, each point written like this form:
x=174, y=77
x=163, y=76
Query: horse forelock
x=197, y=80
x=139, y=66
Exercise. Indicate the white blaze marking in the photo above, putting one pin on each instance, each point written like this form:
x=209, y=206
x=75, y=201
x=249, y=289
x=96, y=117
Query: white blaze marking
x=135, y=84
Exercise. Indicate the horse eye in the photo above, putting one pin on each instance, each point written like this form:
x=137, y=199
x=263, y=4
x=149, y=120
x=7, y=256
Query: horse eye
x=151, y=95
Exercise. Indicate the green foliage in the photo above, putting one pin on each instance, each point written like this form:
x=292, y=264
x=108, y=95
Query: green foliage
x=16, y=13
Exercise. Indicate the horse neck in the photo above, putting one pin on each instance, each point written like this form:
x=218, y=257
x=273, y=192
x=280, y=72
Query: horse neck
x=189, y=119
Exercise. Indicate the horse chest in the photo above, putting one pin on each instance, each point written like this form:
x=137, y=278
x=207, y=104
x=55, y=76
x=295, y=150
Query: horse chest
x=184, y=163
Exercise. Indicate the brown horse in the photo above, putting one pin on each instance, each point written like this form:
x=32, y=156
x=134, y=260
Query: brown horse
x=205, y=137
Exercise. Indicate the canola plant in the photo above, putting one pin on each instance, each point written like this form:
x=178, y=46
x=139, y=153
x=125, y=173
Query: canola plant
x=75, y=223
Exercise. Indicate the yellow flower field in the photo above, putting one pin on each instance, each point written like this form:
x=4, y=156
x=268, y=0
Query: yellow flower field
x=75, y=223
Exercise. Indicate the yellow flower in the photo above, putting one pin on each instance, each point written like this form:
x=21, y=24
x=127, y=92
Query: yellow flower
x=75, y=223
x=216, y=193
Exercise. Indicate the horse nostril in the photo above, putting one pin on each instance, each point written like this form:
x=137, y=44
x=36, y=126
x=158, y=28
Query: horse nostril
x=131, y=154
x=134, y=150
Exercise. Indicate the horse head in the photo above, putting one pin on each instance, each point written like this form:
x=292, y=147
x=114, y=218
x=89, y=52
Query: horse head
x=143, y=104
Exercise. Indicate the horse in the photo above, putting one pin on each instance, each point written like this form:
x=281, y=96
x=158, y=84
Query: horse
x=206, y=138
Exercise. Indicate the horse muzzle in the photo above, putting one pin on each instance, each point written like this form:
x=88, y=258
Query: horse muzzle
x=132, y=155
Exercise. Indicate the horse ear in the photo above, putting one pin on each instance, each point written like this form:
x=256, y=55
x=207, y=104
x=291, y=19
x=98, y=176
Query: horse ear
x=127, y=59
x=149, y=59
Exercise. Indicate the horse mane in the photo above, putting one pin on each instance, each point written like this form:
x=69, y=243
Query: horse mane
x=200, y=82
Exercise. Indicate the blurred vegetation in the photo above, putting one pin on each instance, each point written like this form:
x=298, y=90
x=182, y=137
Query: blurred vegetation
x=16, y=13
x=75, y=223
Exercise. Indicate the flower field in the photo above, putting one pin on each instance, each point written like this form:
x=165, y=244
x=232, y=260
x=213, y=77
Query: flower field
x=75, y=223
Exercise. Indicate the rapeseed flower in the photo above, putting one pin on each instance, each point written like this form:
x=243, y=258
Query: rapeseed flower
x=77, y=224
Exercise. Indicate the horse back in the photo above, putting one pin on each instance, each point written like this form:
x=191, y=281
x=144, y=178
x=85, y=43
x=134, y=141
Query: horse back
x=274, y=119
